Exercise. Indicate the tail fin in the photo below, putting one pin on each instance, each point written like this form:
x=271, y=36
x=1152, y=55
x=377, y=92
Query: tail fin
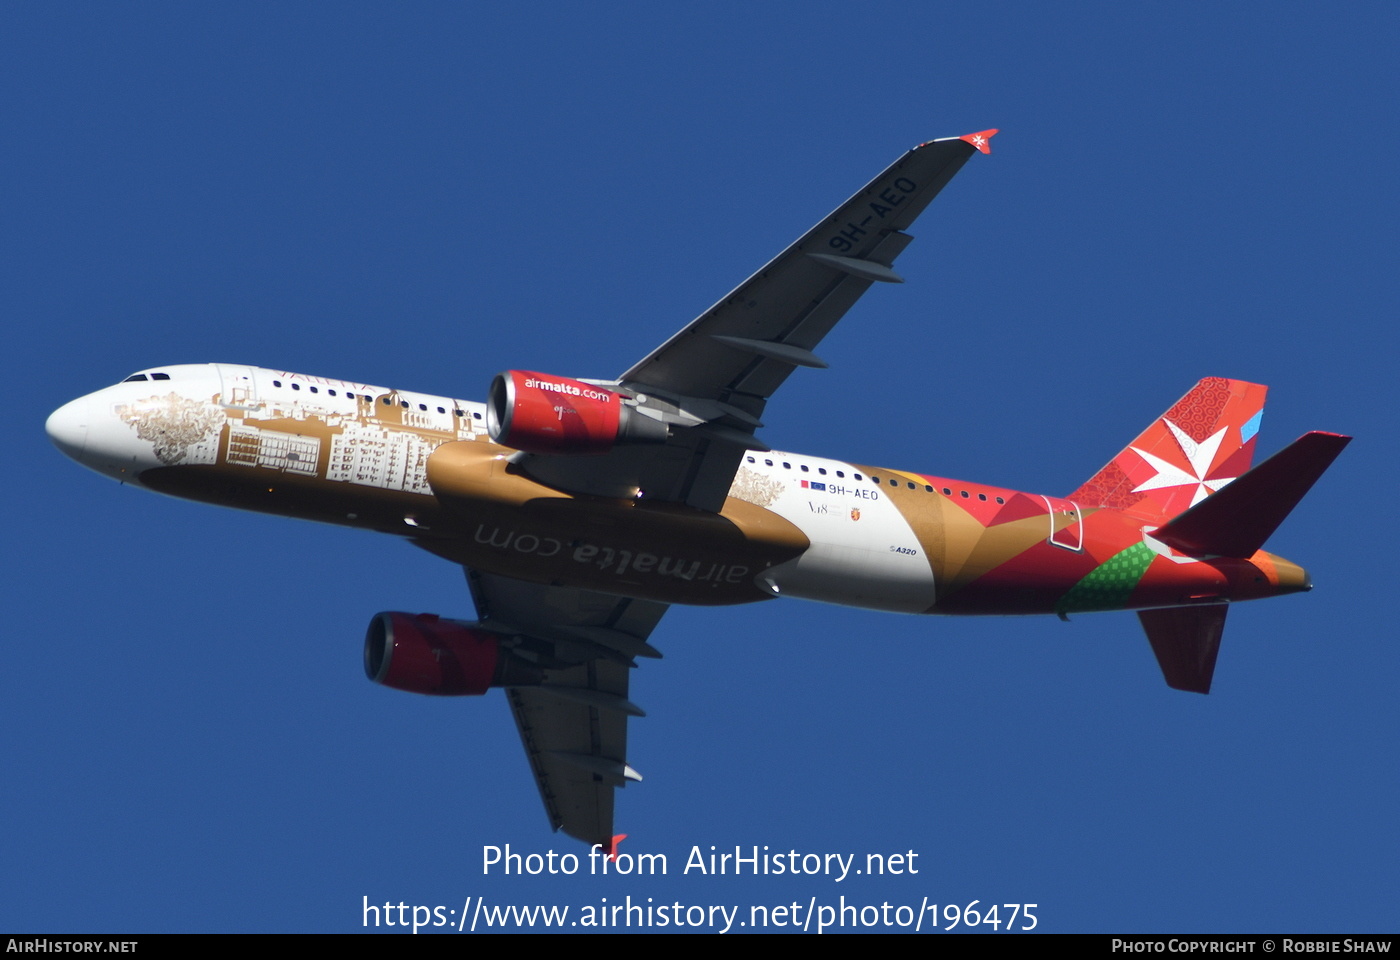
x=1238, y=521
x=1202, y=443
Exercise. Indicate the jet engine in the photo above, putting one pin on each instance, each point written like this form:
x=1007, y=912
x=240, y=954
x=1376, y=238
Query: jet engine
x=539, y=413
x=424, y=653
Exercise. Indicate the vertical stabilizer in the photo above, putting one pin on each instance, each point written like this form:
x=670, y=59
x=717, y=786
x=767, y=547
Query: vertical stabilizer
x=1198, y=446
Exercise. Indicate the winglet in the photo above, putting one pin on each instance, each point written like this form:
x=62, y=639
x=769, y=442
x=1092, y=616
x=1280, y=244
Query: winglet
x=612, y=845
x=980, y=139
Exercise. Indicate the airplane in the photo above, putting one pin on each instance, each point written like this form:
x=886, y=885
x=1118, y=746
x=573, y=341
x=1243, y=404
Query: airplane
x=581, y=509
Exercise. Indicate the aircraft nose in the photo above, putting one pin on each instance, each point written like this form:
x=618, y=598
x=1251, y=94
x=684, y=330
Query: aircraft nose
x=67, y=427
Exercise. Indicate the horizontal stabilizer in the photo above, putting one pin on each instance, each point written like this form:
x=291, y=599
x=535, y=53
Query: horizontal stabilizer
x=1236, y=521
x=1186, y=641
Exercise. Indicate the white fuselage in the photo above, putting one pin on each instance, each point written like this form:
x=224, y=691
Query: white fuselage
x=241, y=422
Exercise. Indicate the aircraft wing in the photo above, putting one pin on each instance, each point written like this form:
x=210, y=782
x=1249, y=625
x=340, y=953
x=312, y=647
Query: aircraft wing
x=574, y=724
x=711, y=381
x=741, y=349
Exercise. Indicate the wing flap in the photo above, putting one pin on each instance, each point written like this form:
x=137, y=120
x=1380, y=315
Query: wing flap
x=577, y=750
x=573, y=725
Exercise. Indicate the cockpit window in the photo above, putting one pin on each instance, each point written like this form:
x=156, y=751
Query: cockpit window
x=135, y=377
x=160, y=376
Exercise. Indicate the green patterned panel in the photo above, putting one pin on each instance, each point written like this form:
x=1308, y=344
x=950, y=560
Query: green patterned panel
x=1109, y=585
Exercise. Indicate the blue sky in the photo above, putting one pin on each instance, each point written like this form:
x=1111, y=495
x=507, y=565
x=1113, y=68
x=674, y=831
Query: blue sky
x=422, y=197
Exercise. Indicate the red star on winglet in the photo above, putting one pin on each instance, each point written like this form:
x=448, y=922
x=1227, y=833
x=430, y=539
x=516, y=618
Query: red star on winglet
x=979, y=140
x=612, y=847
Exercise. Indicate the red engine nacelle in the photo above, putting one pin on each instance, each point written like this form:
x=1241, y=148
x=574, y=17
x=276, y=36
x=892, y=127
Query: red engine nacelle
x=539, y=413
x=423, y=653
